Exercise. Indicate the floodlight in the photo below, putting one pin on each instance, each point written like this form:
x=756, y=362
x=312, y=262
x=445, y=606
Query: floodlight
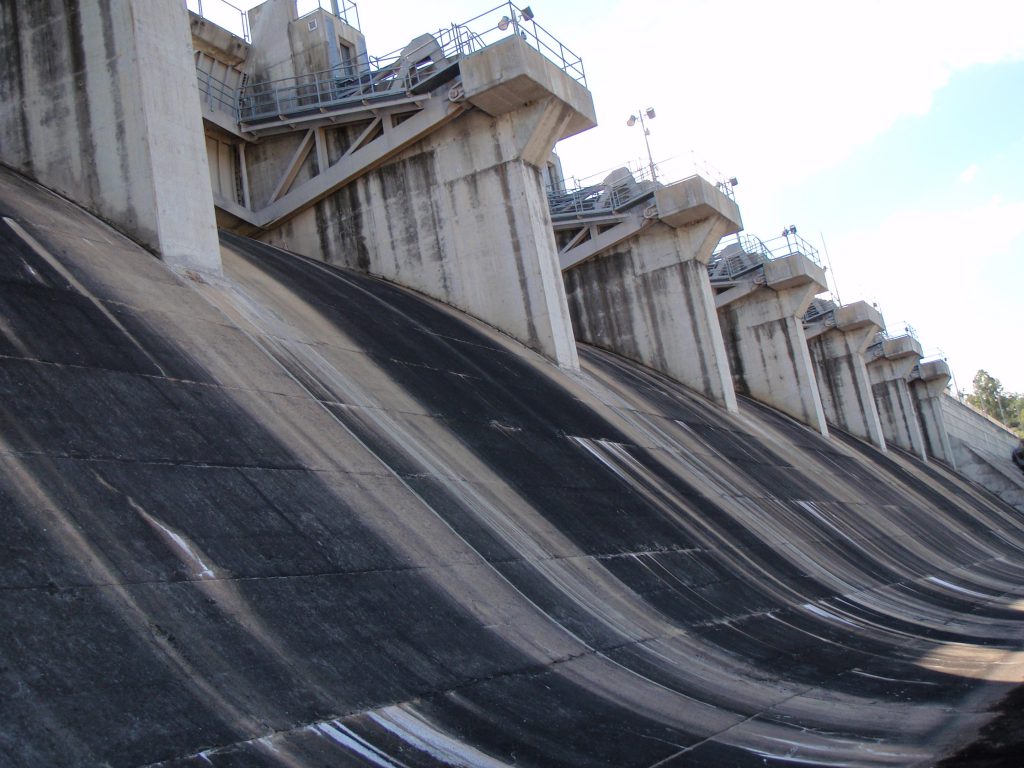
x=650, y=113
x=527, y=14
x=503, y=24
x=733, y=181
x=632, y=121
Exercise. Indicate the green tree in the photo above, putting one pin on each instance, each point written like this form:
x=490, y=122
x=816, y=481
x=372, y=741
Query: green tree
x=990, y=397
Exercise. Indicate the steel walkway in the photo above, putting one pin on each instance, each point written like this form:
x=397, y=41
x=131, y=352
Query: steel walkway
x=396, y=100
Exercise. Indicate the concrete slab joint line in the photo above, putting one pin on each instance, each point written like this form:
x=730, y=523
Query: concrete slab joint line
x=640, y=287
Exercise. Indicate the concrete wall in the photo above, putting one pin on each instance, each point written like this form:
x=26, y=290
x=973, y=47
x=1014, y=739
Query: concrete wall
x=648, y=298
x=977, y=430
x=928, y=387
x=762, y=326
x=843, y=383
x=98, y=101
x=898, y=415
x=982, y=449
x=460, y=217
x=285, y=46
x=889, y=366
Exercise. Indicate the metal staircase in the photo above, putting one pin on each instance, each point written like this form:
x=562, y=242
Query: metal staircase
x=742, y=259
x=590, y=219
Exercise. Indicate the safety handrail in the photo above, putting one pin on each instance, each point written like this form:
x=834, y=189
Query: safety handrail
x=604, y=198
x=744, y=253
x=217, y=94
x=790, y=243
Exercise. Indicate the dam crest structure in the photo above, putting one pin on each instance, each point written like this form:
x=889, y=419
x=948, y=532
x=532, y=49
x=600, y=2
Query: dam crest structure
x=340, y=429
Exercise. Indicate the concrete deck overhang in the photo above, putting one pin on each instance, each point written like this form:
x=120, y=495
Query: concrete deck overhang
x=507, y=76
x=859, y=314
x=792, y=271
x=901, y=348
x=217, y=41
x=933, y=370
x=694, y=199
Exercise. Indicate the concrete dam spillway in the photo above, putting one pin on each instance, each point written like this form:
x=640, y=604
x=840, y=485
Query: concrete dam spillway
x=298, y=516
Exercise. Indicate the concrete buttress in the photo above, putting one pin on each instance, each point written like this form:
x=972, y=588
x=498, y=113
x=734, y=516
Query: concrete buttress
x=646, y=296
x=928, y=386
x=764, y=336
x=461, y=215
x=837, y=352
x=101, y=105
x=889, y=365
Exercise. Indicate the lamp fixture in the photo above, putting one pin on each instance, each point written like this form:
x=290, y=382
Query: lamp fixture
x=649, y=112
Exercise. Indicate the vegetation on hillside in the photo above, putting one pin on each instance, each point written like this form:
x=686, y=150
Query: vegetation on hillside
x=990, y=397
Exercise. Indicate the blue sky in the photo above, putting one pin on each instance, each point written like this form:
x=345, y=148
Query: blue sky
x=895, y=130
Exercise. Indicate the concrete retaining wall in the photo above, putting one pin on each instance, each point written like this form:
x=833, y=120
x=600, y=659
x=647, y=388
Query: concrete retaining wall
x=98, y=101
x=982, y=448
x=977, y=430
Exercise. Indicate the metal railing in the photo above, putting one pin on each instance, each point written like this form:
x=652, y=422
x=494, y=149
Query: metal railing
x=223, y=14
x=789, y=244
x=401, y=71
x=608, y=197
x=520, y=21
x=896, y=331
x=217, y=94
x=322, y=90
x=744, y=254
x=821, y=311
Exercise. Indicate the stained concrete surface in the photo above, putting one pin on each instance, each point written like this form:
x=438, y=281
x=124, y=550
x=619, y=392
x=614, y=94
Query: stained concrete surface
x=303, y=517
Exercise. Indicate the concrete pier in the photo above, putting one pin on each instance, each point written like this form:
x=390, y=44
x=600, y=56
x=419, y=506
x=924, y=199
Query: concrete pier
x=761, y=318
x=448, y=202
x=101, y=104
x=889, y=363
x=641, y=289
x=928, y=382
x=837, y=338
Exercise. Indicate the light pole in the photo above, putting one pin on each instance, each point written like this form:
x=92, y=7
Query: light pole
x=631, y=122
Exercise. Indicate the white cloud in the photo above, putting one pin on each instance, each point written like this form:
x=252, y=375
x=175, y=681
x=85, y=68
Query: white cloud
x=955, y=275
x=968, y=174
x=781, y=90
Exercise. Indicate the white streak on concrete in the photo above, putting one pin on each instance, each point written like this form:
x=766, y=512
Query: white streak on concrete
x=955, y=588
x=889, y=679
x=827, y=615
x=414, y=730
x=203, y=571
x=342, y=735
